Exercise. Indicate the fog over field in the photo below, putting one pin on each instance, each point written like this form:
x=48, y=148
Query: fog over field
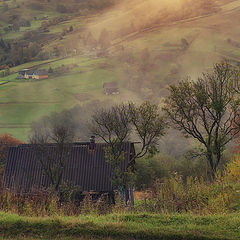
x=143, y=45
x=142, y=14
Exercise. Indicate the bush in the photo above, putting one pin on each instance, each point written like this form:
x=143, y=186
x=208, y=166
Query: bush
x=150, y=169
x=48, y=203
x=195, y=196
x=231, y=173
x=50, y=70
x=35, y=6
x=61, y=8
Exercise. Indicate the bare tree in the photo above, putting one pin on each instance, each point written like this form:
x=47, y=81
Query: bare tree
x=207, y=110
x=52, y=138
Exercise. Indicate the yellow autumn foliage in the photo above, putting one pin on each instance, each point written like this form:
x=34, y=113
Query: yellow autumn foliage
x=232, y=171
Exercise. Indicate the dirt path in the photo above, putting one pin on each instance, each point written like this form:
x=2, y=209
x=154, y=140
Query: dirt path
x=15, y=103
x=15, y=126
x=41, y=64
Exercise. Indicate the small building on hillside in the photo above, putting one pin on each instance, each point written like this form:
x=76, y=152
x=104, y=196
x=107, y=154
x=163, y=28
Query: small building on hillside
x=40, y=74
x=111, y=88
x=25, y=73
x=86, y=168
x=33, y=74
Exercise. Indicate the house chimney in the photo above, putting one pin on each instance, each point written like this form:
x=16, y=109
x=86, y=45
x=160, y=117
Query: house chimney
x=92, y=143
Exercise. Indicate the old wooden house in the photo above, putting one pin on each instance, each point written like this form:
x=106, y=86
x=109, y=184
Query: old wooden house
x=111, y=88
x=86, y=168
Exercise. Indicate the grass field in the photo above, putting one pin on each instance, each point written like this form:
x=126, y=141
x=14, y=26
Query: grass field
x=121, y=226
x=22, y=102
x=25, y=101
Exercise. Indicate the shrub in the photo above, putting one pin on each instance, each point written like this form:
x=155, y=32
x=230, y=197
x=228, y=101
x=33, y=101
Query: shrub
x=35, y=6
x=150, y=169
x=61, y=8
x=232, y=171
x=194, y=195
x=48, y=203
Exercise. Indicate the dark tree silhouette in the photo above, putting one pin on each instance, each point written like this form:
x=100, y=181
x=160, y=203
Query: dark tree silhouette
x=207, y=110
x=123, y=122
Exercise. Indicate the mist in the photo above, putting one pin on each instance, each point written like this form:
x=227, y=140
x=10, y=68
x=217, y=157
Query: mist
x=142, y=14
x=144, y=45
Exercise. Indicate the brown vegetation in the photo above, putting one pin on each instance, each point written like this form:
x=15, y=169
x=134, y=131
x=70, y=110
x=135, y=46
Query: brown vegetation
x=6, y=141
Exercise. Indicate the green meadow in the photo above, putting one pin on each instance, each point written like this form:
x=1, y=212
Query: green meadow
x=121, y=226
x=24, y=101
x=209, y=40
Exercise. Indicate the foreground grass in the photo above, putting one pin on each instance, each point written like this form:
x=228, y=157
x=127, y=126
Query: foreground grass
x=58, y=238
x=124, y=226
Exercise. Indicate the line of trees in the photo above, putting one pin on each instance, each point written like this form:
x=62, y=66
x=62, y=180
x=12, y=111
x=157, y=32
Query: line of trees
x=207, y=110
x=16, y=53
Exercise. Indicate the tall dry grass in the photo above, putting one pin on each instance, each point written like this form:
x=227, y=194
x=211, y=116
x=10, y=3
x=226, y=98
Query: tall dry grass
x=168, y=195
x=171, y=195
x=48, y=203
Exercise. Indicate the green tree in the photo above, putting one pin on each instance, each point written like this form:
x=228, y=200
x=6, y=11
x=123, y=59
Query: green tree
x=71, y=28
x=119, y=124
x=34, y=48
x=207, y=110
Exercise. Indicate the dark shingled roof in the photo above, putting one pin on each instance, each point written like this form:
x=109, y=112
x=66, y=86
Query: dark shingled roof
x=110, y=85
x=41, y=72
x=28, y=71
x=85, y=168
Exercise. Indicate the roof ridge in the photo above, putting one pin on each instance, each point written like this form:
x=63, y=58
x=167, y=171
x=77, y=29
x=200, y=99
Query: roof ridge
x=75, y=144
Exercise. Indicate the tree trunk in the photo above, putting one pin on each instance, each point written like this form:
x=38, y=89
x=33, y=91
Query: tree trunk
x=212, y=166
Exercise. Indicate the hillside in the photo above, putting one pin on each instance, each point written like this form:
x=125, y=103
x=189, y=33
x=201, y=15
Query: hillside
x=143, y=45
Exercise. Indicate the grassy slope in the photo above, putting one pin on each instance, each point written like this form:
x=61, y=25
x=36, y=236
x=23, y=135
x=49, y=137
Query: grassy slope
x=124, y=226
x=23, y=102
x=26, y=13
x=19, y=107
